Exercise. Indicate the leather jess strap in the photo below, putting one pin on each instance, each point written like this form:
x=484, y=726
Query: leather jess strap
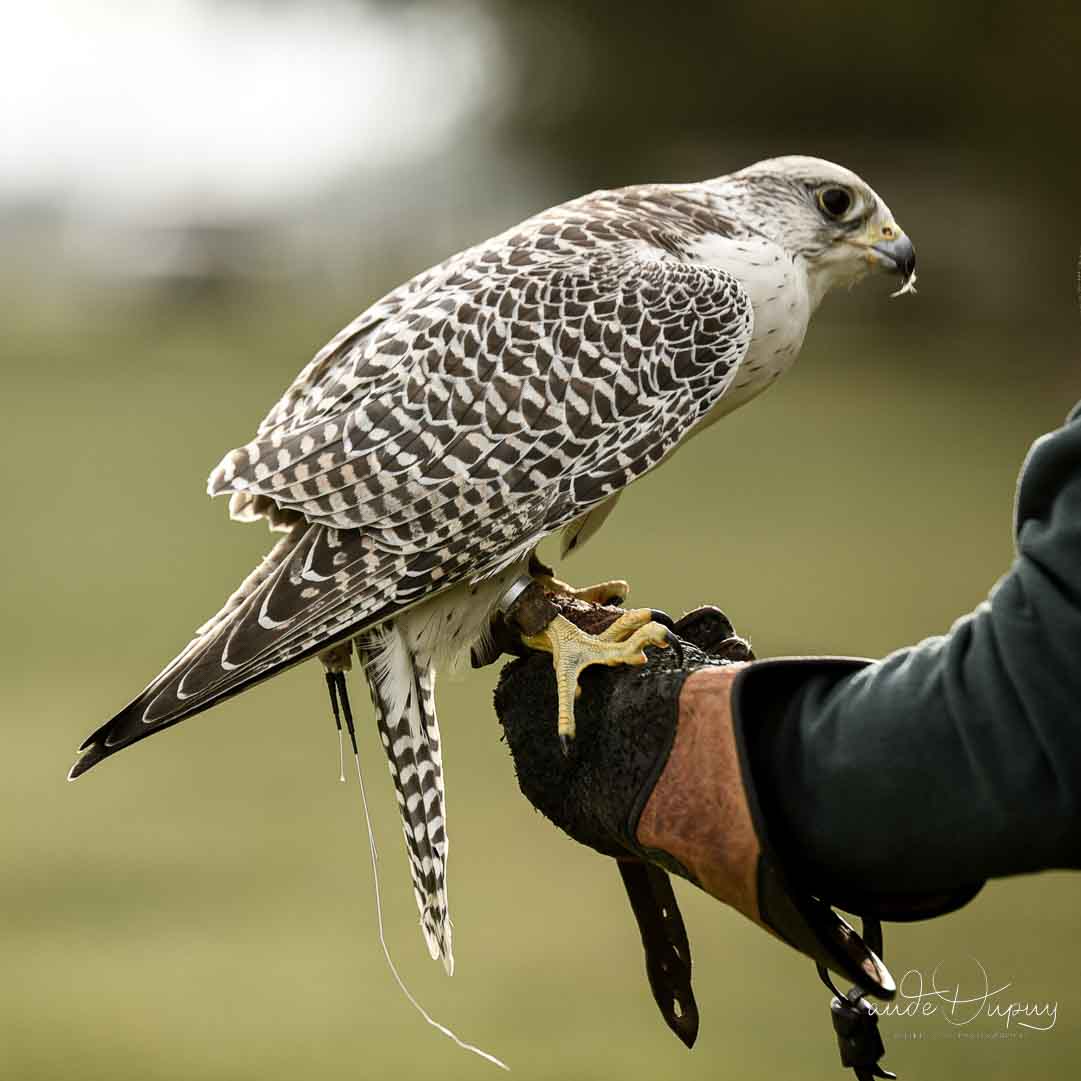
x=664, y=939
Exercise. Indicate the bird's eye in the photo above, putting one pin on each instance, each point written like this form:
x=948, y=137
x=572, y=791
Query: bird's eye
x=835, y=202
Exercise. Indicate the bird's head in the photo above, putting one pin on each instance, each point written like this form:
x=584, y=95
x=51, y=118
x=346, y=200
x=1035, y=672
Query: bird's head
x=826, y=217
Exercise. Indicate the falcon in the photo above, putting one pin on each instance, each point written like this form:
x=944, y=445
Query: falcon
x=509, y=393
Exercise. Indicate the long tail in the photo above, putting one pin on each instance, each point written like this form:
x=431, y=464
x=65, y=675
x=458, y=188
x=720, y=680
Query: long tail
x=403, y=693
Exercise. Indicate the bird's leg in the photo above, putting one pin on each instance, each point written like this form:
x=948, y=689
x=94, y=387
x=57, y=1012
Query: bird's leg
x=573, y=650
x=613, y=592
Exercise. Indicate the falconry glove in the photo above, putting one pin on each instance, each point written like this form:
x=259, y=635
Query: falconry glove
x=658, y=778
x=655, y=775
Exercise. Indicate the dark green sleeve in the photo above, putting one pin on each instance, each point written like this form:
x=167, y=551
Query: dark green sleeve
x=951, y=761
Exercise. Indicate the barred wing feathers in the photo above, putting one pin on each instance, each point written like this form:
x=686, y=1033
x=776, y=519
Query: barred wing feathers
x=566, y=357
x=315, y=584
x=486, y=405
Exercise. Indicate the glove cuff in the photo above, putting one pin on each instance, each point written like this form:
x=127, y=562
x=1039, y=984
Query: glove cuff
x=698, y=813
x=761, y=695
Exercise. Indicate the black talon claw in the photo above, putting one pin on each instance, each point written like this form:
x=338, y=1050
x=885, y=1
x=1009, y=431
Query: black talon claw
x=565, y=744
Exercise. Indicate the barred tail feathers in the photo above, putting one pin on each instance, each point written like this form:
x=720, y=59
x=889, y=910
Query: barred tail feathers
x=402, y=692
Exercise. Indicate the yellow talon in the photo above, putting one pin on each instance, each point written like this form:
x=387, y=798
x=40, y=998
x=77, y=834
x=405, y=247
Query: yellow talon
x=573, y=651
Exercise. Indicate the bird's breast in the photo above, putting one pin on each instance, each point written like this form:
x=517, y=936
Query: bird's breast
x=777, y=288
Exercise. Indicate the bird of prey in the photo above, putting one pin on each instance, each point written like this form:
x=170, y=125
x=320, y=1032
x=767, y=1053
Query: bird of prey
x=509, y=393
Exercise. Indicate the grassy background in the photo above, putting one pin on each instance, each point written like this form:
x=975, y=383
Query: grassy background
x=200, y=906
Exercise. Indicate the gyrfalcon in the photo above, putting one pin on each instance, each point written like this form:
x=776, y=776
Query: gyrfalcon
x=508, y=393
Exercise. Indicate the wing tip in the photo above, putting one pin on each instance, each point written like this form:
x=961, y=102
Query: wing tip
x=223, y=477
x=90, y=754
x=126, y=728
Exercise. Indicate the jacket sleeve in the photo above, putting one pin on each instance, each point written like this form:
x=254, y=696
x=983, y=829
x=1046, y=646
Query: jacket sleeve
x=951, y=761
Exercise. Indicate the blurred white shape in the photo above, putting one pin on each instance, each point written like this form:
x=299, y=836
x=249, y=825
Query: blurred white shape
x=181, y=108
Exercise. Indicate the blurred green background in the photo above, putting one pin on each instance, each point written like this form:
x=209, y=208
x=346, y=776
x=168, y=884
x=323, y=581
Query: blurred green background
x=186, y=226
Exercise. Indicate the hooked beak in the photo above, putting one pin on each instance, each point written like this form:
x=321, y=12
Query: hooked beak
x=894, y=252
x=897, y=254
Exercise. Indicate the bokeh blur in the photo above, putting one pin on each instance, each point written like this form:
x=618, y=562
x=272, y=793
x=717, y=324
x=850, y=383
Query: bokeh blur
x=194, y=195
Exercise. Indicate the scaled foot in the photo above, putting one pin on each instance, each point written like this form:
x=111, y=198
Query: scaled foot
x=573, y=650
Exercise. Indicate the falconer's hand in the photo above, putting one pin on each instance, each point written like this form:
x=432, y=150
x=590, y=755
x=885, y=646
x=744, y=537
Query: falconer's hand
x=657, y=775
